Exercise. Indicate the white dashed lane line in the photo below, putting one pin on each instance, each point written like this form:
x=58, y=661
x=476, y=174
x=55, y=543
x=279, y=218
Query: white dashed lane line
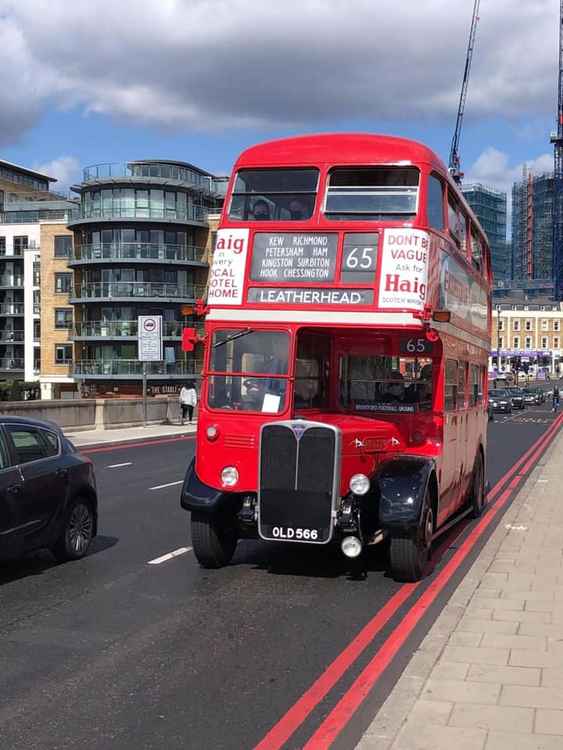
x=162, y=486
x=119, y=466
x=170, y=555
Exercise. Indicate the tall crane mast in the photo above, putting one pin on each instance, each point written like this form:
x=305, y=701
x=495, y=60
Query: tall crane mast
x=557, y=140
x=454, y=163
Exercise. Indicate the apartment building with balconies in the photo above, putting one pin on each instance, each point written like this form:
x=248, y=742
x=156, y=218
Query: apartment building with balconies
x=141, y=246
x=25, y=200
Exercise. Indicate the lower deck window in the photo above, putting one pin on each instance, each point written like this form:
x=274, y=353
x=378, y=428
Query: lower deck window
x=385, y=383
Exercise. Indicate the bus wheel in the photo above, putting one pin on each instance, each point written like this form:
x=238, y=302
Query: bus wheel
x=408, y=557
x=213, y=540
x=478, y=488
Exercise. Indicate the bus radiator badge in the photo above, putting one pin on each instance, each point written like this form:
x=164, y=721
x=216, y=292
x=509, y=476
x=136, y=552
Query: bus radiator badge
x=298, y=430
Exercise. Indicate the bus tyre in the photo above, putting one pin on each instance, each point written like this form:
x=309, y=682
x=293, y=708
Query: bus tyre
x=213, y=540
x=478, y=488
x=408, y=557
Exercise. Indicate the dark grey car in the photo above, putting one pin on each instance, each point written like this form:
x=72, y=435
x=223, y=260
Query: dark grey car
x=48, y=495
x=500, y=400
x=517, y=398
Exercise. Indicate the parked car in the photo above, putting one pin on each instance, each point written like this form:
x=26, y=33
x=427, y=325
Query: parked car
x=48, y=495
x=517, y=397
x=500, y=401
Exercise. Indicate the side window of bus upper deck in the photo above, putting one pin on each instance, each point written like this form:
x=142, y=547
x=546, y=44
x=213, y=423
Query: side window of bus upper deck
x=457, y=223
x=435, y=202
x=476, y=249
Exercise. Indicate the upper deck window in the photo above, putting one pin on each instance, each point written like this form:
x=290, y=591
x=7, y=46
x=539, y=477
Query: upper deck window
x=372, y=193
x=274, y=194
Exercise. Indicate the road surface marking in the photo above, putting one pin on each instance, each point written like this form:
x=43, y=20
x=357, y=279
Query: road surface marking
x=118, y=466
x=170, y=555
x=162, y=486
x=339, y=717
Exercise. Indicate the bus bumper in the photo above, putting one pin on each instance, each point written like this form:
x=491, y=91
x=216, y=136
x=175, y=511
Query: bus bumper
x=403, y=482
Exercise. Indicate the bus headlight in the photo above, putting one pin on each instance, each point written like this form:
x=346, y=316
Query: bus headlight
x=229, y=476
x=359, y=484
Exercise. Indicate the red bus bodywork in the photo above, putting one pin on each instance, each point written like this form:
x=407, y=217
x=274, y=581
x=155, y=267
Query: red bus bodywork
x=423, y=307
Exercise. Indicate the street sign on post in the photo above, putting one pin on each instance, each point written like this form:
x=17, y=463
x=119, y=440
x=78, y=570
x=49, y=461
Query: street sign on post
x=150, y=338
x=150, y=348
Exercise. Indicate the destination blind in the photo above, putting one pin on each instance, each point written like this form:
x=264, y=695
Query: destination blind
x=294, y=257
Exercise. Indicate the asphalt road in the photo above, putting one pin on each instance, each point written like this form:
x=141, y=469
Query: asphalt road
x=117, y=652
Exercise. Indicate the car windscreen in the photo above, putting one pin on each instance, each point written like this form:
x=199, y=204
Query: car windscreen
x=274, y=194
x=499, y=394
x=372, y=193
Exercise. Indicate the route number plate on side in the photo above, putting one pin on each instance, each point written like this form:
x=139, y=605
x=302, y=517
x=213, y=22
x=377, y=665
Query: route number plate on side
x=415, y=345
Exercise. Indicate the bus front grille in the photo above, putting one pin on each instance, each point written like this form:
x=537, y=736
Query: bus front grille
x=298, y=482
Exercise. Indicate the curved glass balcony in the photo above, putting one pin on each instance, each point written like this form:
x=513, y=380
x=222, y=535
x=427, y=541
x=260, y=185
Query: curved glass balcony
x=137, y=290
x=11, y=364
x=11, y=282
x=115, y=329
x=139, y=170
x=12, y=308
x=142, y=251
x=10, y=337
x=132, y=368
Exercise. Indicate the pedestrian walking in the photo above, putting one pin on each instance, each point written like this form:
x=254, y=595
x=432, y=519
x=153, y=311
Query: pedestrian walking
x=555, y=397
x=188, y=400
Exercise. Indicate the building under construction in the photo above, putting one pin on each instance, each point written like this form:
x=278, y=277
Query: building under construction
x=532, y=228
x=490, y=208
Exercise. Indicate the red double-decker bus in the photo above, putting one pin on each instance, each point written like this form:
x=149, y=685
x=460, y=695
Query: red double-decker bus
x=347, y=335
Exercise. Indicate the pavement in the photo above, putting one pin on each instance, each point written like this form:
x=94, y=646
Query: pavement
x=128, y=434
x=489, y=673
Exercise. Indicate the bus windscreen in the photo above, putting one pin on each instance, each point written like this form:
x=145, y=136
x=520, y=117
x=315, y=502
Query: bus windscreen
x=274, y=194
x=372, y=193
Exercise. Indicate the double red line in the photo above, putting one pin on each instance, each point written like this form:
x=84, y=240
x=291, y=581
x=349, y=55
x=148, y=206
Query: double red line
x=343, y=711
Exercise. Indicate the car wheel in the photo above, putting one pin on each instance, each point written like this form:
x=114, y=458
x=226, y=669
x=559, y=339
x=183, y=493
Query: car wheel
x=214, y=540
x=408, y=556
x=76, y=533
x=478, y=498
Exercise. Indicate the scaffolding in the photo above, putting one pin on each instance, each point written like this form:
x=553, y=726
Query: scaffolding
x=557, y=140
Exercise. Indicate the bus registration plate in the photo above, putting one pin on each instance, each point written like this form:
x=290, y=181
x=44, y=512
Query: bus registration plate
x=299, y=535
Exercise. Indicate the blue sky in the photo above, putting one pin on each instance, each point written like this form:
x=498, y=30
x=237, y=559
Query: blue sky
x=199, y=80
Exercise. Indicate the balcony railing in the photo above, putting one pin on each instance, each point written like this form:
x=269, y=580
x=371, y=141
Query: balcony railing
x=137, y=289
x=12, y=309
x=134, y=368
x=181, y=214
x=128, y=328
x=11, y=281
x=138, y=251
x=16, y=253
x=9, y=337
x=11, y=364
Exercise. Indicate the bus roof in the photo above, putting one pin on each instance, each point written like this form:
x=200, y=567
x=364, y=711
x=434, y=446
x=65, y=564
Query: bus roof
x=343, y=148
x=348, y=148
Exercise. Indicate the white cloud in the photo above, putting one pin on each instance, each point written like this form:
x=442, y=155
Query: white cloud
x=225, y=63
x=65, y=169
x=493, y=168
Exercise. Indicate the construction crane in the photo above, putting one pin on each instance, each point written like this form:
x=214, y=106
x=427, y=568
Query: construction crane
x=557, y=140
x=454, y=163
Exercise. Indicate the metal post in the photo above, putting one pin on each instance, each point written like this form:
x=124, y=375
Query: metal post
x=498, y=338
x=144, y=394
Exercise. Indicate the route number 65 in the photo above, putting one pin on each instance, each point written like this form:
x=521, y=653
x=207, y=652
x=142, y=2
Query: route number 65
x=360, y=258
x=416, y=346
